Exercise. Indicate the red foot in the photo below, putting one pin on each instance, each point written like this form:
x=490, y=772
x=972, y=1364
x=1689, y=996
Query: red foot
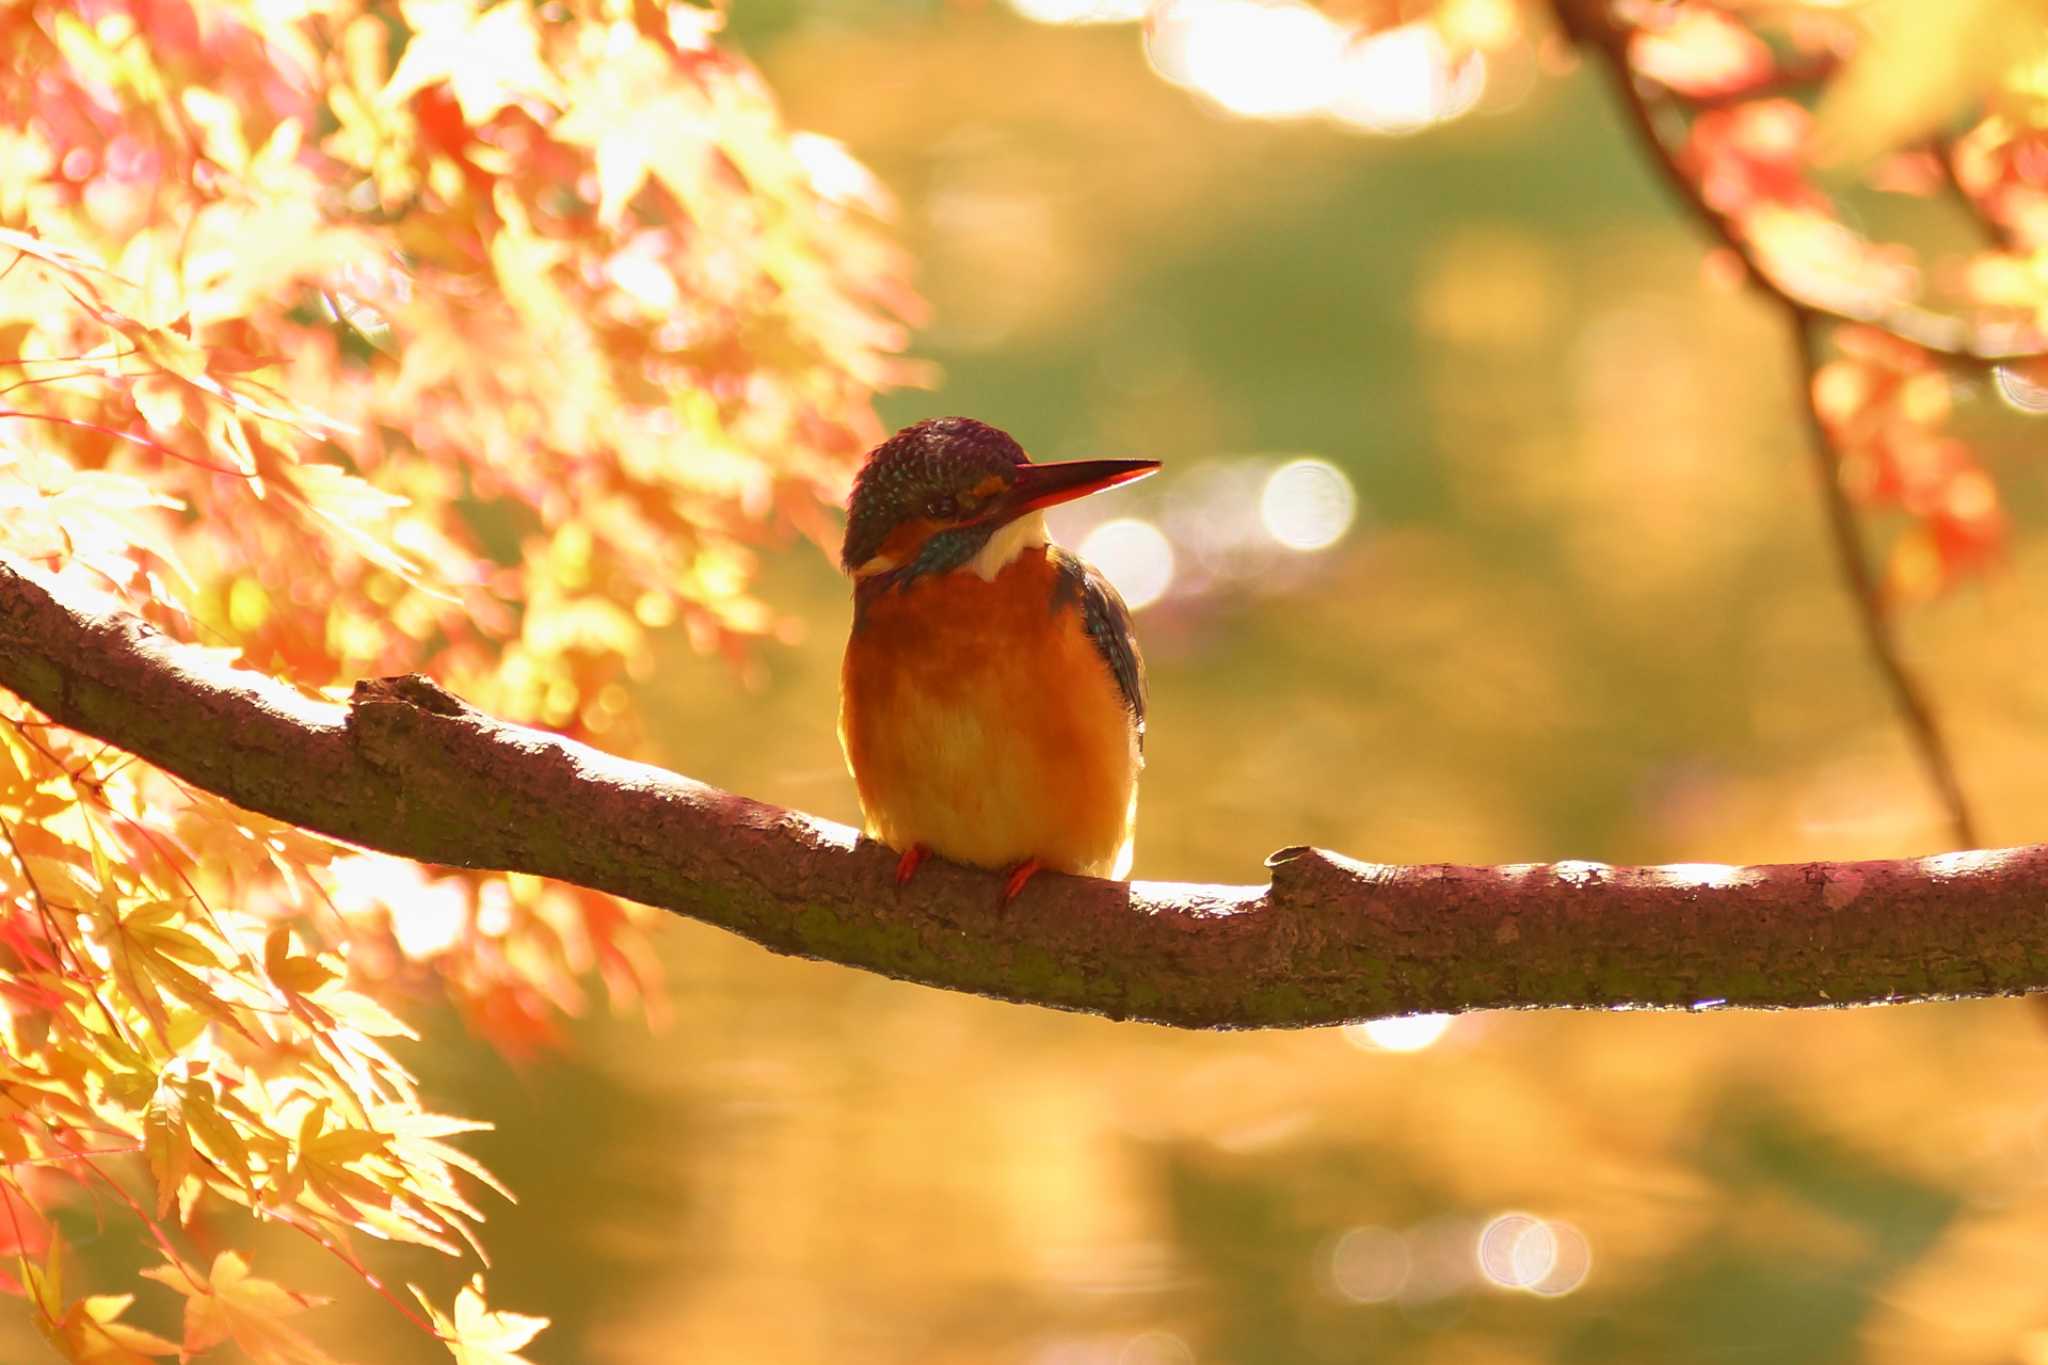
x=1019, y=875
x=907, y=865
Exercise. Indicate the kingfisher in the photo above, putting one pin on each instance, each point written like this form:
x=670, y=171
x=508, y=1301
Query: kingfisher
x=992, y=699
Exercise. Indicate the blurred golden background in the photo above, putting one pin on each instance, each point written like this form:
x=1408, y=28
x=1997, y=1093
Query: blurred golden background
x=1486, y=534
x=1583, y=606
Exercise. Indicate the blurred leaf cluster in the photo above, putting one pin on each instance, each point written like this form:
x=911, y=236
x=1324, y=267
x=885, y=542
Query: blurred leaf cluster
x=357, y=338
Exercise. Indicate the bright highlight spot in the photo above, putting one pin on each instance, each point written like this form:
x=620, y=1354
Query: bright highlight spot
x=1135, y=555
x=1570, y=1264
x=1256, y=60
x=1280, y=59
x=2020, y=390
x=1701, y=874
x=1369, y=1265
x=1406, y=1033
x=1081, y=11
x=1404, y=80
x=1967, y=861
x=1307, y=505
x=838, y=176
x=1522, y=1251
x=643, y=277
x=1579, y=872
x=1516, y=1251
x=427, y=914
x=431, y=919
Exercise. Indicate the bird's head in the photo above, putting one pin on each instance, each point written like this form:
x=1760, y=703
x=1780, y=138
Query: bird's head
x=931, y=496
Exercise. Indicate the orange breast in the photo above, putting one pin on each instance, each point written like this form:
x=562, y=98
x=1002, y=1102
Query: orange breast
x=980, y=721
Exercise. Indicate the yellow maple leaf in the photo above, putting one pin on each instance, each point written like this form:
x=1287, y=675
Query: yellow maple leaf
x=641, y=121
x=478, y=1335
x=167, y=1144
x=229, y=1303
x=87, y=1331
x=487, y=60
x=152, y=956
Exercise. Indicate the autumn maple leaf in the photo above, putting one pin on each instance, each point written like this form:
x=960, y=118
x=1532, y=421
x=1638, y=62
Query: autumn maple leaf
x=88, y=1331
x=230, y=1304
x=478, y=1335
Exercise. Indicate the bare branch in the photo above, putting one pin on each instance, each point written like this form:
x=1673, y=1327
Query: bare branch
x=1922, y=724
x=1588, y=23
x=411, y=770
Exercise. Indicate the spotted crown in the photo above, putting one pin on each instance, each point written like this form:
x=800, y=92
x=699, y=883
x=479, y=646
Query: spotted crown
x=927, y=460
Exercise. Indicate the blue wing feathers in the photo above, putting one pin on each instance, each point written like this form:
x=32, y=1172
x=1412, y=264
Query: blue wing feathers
x=1108, y=622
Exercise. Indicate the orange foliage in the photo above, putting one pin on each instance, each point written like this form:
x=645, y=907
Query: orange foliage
x=359, y=338
x=1754, y=153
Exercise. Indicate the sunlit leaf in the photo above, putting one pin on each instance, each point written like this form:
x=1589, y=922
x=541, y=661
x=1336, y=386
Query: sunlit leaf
x=1920, y=66
x=228, y=1303
x=478, y=1335
x=1700, y=51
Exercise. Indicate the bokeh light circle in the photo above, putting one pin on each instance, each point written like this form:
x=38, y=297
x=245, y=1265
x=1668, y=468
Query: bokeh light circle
x=2020, y=390
x=1256, y=60
x=1404, y=80
x=1308, y=505
x=1081, y=11
x=1570, y=1265
x=1522, y=1251
x=1517, y=1251
x=1370, y=1264
x=1136, y=557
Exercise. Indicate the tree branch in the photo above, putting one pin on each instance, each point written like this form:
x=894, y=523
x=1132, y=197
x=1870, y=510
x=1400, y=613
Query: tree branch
x=408, y=769
x=1589, y=24
x=1922, y=724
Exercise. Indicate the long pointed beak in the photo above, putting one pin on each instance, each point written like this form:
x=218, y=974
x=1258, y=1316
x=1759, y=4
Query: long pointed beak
x=1042, y=485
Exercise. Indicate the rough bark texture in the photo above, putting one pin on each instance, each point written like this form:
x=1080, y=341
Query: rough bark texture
x=411, y=770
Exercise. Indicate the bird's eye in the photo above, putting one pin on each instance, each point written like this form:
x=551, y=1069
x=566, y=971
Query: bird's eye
x=942, y=508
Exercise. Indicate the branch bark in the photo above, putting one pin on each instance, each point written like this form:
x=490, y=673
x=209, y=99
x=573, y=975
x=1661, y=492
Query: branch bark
x=411, y=770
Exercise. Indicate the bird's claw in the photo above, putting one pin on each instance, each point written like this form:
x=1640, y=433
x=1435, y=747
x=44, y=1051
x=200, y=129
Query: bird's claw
x=1019, y=876
x=906, y=866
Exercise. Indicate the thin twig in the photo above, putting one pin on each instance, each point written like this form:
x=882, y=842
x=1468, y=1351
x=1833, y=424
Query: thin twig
x=127, y=436
x=1923, y=726
x=1915, y=711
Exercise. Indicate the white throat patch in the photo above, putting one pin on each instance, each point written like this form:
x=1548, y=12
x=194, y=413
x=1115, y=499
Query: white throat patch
x=1025, y=533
